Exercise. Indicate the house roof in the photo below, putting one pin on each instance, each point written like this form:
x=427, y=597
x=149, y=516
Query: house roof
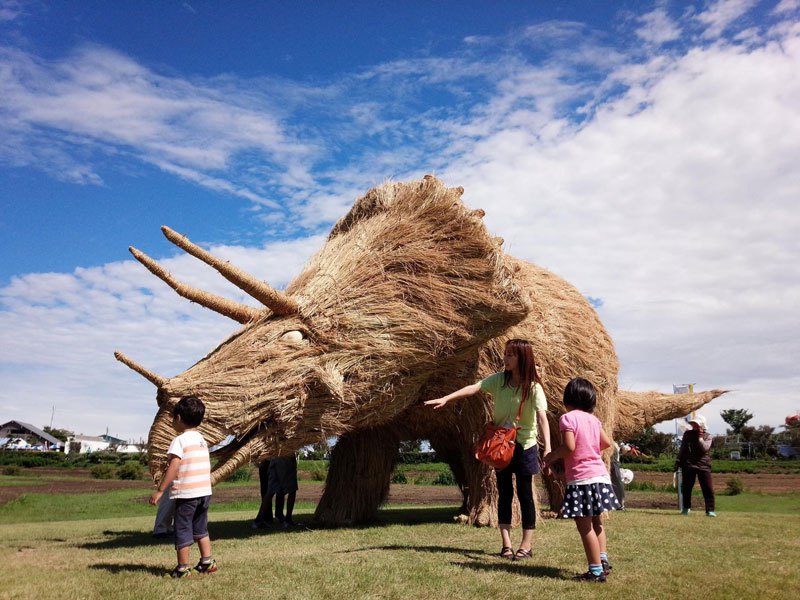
x=37, y=432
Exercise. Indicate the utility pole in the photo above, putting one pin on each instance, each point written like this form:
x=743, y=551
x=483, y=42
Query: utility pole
x=53, y=414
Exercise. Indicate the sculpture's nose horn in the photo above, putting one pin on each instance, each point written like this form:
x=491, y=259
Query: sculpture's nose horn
x=156, y=380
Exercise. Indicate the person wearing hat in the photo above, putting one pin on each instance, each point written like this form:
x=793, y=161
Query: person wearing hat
x=694, y=460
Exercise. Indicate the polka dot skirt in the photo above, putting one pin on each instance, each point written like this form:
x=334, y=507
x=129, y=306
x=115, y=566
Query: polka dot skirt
x=588, y=500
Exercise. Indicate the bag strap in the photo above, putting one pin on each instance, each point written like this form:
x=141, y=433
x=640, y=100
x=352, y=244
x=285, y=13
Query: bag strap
x=521, y=404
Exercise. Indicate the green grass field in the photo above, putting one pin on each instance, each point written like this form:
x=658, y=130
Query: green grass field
x=99, y=546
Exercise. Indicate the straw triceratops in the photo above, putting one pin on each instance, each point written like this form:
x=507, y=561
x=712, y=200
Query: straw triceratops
x=409, y=299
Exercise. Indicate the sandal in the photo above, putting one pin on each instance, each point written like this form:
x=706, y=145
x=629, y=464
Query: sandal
x=507, y=552
x=523, y=553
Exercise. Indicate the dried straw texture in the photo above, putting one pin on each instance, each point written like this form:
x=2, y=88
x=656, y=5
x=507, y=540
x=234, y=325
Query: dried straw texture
x=408, y=283
x=409, y=299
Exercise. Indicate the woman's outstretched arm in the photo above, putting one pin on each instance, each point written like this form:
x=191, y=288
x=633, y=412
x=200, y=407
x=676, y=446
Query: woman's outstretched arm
x=464, y=392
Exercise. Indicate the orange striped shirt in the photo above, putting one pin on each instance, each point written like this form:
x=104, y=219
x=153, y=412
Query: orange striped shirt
x=194, y=473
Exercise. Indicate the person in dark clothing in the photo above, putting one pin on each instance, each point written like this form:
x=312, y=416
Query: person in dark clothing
x=282, y=484
x=616, y=475
x=264, y=517
x=694, y=460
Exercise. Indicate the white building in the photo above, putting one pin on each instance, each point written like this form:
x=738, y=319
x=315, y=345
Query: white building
x=85, y=444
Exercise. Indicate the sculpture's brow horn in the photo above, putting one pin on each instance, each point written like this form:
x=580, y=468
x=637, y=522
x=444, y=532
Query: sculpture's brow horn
x=234, y=310
x=156, y=380
x=280, y=303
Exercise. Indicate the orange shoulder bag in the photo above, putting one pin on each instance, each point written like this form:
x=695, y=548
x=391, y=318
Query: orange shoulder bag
x=496, y=447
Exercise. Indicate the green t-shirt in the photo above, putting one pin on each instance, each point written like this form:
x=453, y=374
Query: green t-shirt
x=506, y=405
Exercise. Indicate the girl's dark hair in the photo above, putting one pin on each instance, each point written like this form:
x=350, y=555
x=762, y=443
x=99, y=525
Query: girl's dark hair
x=580, y=394
x=191, y=410
x=526, y=365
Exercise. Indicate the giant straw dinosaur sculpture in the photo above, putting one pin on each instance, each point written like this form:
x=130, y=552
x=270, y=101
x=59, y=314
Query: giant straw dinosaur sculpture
x=409, y=299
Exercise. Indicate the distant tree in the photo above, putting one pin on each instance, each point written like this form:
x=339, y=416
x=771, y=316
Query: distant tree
x=318, y=451
x=410, y=446
x=760, y=438
x=737, y=418
x=653, y=442
x=59, y=434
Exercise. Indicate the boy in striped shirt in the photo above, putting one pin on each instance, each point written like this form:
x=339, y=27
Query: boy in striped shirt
x=189, y=471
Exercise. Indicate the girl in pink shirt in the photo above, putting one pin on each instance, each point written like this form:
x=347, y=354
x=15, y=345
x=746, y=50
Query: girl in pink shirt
x=589, y=493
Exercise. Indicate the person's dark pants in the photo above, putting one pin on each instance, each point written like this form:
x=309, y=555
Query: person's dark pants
x=706, y=486
x=617, y=483
x=279, y=498
x=265, y=510
x=524, y=465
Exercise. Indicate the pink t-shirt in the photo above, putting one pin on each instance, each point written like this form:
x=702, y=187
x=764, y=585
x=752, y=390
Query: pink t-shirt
x=585, y=462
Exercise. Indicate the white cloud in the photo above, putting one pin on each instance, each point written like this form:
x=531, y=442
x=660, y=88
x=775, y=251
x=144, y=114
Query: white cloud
x=721, y=14
x=10, y=10
x=97, y=98
x=786, y=6
x=658, y=28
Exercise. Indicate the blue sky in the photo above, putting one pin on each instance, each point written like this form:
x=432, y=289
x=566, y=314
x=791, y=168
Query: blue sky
x=646, y=152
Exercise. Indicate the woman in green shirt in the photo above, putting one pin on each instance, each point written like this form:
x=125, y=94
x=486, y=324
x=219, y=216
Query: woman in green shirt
x=517, y=383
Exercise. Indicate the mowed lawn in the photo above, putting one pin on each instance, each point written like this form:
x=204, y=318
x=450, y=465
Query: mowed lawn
x=752, y=550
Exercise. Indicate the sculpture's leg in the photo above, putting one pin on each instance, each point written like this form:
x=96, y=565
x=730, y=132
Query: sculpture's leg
x=452, y=457
x=555, y=491
x=475, y=480
x=554, y=486
x=360, y=470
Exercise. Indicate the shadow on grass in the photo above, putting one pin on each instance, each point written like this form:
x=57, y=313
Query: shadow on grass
x=130, y=567
x=431, y=549
x=229, y=530
x=478, y=560
x=514, y=567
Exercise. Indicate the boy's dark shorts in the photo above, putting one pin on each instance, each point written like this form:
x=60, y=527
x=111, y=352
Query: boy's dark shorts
x=191, y=520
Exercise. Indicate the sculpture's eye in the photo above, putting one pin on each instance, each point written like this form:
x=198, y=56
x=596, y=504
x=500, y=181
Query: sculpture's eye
x=293, y=336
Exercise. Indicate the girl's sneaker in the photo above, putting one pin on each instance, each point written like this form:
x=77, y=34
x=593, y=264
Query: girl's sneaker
x=179, y=572
x=606, y=567
x=711, y=513
x=209, y=567
x=591, y=577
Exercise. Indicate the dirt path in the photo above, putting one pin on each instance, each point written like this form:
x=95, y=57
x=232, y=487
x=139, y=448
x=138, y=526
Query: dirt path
x=78, y=481
x=753, y=482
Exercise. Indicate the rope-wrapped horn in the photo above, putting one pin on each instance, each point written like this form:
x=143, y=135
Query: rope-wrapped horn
x=156, y=380
x=280, y=303
x=228, y=308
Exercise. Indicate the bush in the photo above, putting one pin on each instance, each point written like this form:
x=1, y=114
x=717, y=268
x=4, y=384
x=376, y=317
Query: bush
x=399, y=477
x=103, y=456
x=244, y=473
x=319, y=473
x=734, y=486
x=130, y=470
x=12, y=470
x=445, y=478
x=417, y=458
x=104, y=471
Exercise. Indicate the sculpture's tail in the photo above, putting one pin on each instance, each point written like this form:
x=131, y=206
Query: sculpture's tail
x=638, y=410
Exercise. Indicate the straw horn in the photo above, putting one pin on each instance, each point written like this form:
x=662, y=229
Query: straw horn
x=156, y=380
x=280, y=303
x=228, y=308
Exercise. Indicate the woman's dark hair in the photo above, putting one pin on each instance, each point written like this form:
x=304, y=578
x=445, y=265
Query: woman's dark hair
x=191, y=410
x=580, y=394
x=526, y=365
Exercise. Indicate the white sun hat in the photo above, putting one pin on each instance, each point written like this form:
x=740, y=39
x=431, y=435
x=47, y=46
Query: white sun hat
x=700, y=420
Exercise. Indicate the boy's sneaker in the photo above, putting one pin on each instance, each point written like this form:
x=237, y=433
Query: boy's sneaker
x=685, y=511
x=179, y=572
x=209, y=567
x=711, y=513
x=606, y=567
x=591, y=577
